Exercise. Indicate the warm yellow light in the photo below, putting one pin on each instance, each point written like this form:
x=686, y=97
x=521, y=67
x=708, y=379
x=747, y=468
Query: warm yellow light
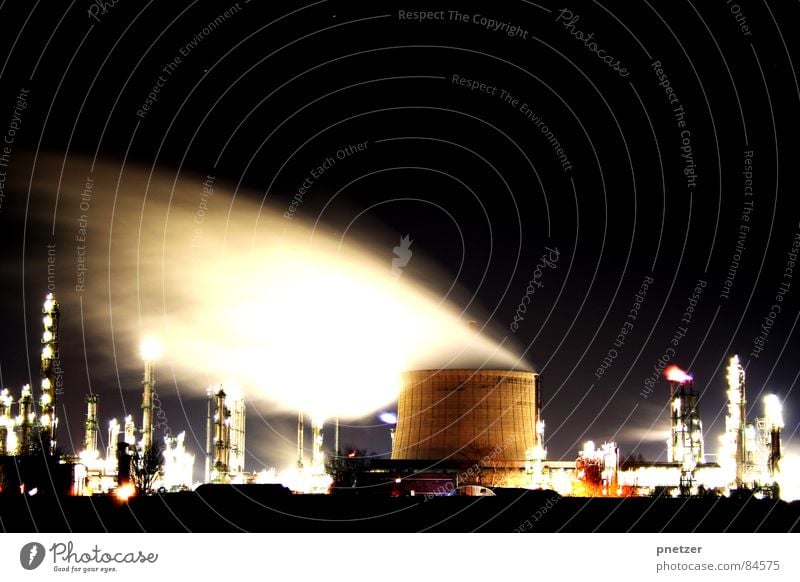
x=47, y=321
x=47, y=353
x=124, y=492
x=773, y=411
x=47, y=336
x=150, y=349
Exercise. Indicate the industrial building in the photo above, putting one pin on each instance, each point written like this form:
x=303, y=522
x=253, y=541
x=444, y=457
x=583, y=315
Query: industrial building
x=456, y=430
x=491, y=417
x=33, y=429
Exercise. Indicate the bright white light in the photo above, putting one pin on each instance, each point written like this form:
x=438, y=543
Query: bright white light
x=150, y=349
x=773, y=411
x=314, y=332
x=388, y=418
x=675, y=374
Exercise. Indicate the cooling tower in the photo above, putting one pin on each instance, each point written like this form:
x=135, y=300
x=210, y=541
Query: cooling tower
x=467, y=415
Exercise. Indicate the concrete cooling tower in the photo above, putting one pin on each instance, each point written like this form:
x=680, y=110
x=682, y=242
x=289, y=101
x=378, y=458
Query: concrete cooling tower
x=467, y=415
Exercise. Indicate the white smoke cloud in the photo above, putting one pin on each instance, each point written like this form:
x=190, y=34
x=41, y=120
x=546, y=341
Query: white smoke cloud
x=237, y=293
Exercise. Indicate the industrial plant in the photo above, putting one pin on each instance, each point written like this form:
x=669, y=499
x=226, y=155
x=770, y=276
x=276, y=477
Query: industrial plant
x=456, y=431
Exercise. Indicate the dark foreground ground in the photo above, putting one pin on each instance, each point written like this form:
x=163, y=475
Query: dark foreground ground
x=265, y=509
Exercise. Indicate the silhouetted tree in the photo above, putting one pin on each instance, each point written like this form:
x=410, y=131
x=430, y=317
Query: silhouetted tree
x=146, y=467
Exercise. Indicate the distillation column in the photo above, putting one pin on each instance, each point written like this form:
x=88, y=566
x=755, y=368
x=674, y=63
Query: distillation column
x=91, y=428
x=48, y=419
x=6, y=423
x=27, y=417
x=221, y=437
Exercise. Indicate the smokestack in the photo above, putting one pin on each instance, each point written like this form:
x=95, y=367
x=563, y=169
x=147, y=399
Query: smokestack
x=150, y=349
x=147, y=404
x=300, y=430
x=336, y=439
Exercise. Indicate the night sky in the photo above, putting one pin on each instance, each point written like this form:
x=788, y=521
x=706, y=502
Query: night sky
x=620, y=176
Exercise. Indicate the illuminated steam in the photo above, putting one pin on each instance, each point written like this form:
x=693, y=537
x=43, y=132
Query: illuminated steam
x=238, y=293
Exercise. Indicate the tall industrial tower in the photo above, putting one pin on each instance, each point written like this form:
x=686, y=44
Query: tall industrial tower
x=26, y=419
x=317, y=456
x=686, y=435
x=48, y=420
x=237, y=433
x=151, y=349
x=686, y=438
x=221, y=438
x=300, y=431
x=91, y=428
x=6, y=423
x=774, y=421
x=229, y=436
x=734, y=445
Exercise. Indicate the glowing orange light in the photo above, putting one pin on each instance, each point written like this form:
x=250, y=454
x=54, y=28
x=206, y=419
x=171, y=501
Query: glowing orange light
x=125, y=491
x=675, y=374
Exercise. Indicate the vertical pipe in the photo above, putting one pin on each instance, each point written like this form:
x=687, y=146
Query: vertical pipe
x=300, y=430
x=147, y=404
x=741, y=448
x=336, y=440
x=209, y=430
